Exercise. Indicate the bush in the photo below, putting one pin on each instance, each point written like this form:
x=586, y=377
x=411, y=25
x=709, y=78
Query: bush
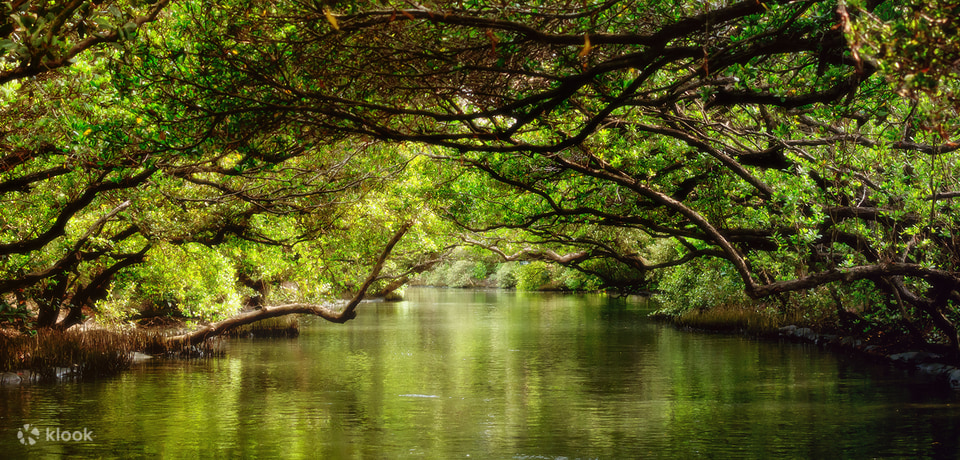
x=527, y=276
x=435, y=277
x=533, y=276
x=460, y=274
x=576, y=280
x=506, y=275
x=194, y=280
x=481, y=270
x=700, y=284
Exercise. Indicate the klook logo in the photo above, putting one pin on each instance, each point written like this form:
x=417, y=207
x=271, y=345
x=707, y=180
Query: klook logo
x=67, y=436
x=29, y=435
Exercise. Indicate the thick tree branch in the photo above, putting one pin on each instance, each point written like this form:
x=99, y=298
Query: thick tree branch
x=940, y=277
x=37, y=65
x=327, y=312
x=70, y=210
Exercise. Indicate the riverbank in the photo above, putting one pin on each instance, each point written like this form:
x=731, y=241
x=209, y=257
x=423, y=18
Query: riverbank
x=76, y=353
x=933, y=367
x=926, y=365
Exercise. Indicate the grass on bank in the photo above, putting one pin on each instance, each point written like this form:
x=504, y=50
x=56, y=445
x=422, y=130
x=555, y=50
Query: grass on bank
x=748, y=319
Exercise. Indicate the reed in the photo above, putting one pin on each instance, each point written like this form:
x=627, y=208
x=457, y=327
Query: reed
x=51, y=354
x=750, y=319
x=84, y=353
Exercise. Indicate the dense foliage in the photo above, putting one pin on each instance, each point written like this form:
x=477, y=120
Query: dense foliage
x=120, y=204
x=783, y=146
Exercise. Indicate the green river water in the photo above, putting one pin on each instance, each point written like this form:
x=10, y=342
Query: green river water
x=491, y=374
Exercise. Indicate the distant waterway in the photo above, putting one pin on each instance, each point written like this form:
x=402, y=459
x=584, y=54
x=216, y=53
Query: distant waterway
x=491, y=374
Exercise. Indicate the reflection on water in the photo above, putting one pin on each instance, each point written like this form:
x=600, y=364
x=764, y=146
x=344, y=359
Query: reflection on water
x=488, y=374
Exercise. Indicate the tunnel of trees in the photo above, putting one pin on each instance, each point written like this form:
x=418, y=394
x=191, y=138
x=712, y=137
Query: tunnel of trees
x=194, y=155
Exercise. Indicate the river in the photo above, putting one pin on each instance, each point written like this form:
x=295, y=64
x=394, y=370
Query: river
x=491, y=374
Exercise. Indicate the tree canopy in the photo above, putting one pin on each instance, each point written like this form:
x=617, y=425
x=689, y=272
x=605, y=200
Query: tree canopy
x=116, y=202
x=794, y=146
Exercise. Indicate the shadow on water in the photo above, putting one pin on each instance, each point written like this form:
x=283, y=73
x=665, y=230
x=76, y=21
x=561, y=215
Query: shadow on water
x=493, y=374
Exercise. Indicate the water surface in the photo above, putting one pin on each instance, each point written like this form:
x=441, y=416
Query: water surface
x=493, y=374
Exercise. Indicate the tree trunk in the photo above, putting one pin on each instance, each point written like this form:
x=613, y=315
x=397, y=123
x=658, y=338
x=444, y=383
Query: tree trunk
x=47, y=316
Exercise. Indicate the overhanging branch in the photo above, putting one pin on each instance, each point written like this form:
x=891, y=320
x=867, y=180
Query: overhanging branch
x=327, y=312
